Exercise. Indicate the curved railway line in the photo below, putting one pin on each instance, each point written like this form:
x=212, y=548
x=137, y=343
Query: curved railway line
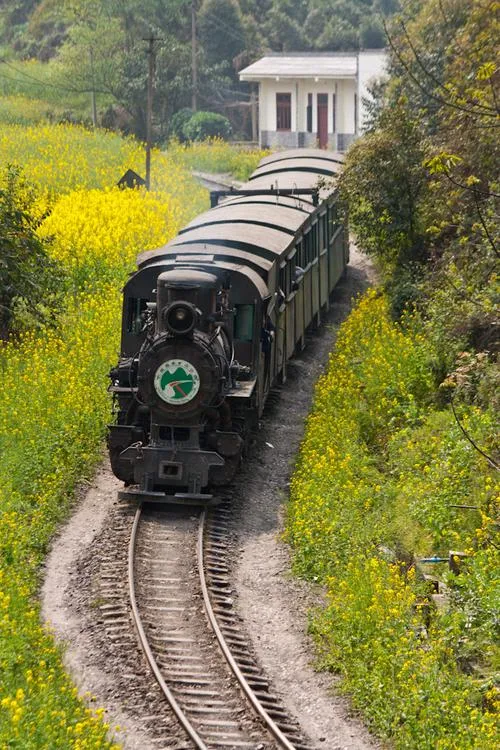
x=183, y=609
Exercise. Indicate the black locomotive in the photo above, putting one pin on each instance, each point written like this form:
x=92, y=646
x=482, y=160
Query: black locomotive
x=210, y=321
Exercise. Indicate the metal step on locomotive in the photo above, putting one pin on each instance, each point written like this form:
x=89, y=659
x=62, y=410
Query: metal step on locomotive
x=211, y=319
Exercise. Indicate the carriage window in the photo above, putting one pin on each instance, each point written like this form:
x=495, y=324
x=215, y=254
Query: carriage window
x=290, y=267
x=300, y=254
x=322, y=223
x=307, y=248
x=333, y=218
x=135, y=308
x=243, y=322
x=282, y=283
x=315, y=240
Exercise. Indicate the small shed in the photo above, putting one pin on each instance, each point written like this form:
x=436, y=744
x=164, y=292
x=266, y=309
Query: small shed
x=313, y=99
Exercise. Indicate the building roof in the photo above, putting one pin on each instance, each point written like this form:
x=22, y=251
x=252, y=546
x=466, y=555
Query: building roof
x=302, y=65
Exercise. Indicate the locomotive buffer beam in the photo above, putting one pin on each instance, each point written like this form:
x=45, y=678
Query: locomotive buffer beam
x=216, y=194
x=177, y=498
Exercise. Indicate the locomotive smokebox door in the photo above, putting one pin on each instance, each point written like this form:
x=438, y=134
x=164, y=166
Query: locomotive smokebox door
x=198, y=288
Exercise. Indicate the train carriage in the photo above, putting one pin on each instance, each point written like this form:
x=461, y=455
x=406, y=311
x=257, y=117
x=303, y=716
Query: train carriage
x=210, y=321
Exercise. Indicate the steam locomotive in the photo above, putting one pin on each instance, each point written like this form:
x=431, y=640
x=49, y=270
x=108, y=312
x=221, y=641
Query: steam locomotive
x=210, y=321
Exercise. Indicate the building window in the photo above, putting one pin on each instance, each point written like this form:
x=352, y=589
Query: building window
x=283, y=111
x=309, y=113
x=355, y=113
x=334, y=113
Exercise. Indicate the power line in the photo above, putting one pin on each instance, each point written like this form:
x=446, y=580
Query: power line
x=39, y=82
x=224, y=27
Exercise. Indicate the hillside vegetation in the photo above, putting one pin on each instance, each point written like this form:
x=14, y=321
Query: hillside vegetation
x=397, y=479
x=59, y=51
x=69, y=239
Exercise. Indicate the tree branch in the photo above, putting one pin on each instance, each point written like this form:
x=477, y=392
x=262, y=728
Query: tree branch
x=430, y=94
x=471, y=441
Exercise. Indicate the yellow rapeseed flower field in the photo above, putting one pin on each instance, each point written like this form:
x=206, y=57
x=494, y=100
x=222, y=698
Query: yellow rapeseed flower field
x=380, y=472
x=52, y=412
x=63, y=158
x=55, y=405
x=99, y=232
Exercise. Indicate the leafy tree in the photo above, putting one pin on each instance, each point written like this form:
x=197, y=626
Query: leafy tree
x=338, y=35
x=29, y=279
x=221, y=30
x=444, y=84
x=371, y=33
x=383, y=181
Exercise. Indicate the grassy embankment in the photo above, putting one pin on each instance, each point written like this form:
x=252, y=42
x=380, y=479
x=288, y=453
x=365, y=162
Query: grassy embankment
x=54, y=403
x=217, y=156
x=33, y=92
x=385, y=476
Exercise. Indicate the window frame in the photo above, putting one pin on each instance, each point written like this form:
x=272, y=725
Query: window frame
x=309, y=114
x=283, y=111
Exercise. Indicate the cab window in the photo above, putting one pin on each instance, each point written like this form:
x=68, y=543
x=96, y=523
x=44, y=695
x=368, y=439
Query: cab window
x=135, y=308
x=243, y=322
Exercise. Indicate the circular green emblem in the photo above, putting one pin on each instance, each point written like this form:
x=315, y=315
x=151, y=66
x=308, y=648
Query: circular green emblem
x=177, y=381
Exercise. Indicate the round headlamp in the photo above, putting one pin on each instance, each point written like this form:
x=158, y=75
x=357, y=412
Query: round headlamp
x=180, y=318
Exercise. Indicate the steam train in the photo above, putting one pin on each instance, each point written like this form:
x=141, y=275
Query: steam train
x=210, y=321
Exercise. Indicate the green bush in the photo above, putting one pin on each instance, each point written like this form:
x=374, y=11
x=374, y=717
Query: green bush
x=29, y=280
x=178, y=123
x=203, y=125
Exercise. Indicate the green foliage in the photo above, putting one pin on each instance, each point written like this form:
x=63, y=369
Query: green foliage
x=216, y=155
x=29, y=279
x=383, y=183
x=423, y=185
x=380, y=483
x=87, y=45
x=371, y=34
x=178, y=121
x=221, y=30
x=203, y=125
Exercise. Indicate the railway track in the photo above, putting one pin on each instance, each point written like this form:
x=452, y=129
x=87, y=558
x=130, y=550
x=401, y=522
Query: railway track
x=188, y=627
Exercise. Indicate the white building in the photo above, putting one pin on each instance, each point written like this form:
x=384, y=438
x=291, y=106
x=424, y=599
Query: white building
x=313, y=99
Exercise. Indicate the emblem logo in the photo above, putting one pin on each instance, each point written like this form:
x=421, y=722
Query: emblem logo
x=176, y=381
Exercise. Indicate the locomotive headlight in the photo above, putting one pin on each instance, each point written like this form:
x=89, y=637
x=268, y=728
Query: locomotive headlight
x=180, y=318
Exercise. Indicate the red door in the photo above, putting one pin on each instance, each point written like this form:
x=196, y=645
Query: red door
x=323, y=120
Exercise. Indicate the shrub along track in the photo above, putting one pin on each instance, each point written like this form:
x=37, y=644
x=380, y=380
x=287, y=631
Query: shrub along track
x=86, y=599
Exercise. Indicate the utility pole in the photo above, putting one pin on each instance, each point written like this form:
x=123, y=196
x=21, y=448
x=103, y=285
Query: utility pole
x=92, y=91
x=194, y=62
x=149, y=106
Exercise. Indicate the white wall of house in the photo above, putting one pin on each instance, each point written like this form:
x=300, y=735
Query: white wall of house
x=299, y=89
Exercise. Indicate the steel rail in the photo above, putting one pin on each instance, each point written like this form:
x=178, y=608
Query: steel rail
x=247, y=690
x=187, y=726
